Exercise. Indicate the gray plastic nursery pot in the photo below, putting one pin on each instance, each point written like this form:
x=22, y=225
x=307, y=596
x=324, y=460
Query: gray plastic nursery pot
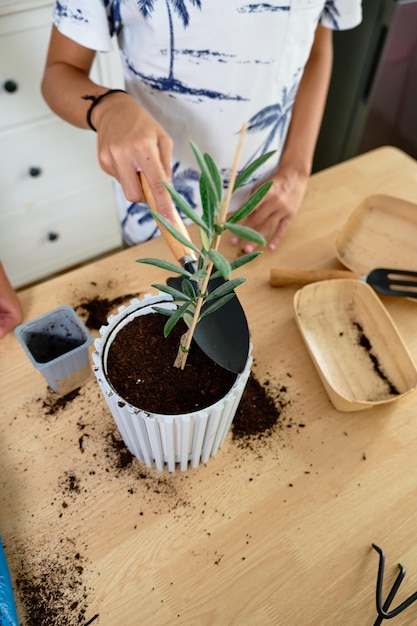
x=166, y=441
x=57, y=344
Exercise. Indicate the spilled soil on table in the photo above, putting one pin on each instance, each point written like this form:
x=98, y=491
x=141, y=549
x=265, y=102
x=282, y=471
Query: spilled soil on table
x=98, y=309
x=51, y=585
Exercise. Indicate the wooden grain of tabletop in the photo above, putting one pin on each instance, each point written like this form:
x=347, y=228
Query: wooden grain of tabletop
x=276, y=531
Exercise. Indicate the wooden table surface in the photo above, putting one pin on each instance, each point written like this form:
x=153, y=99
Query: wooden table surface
x=276, y=532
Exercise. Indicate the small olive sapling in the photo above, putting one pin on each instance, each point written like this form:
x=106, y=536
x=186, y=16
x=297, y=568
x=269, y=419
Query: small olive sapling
x=194, y=292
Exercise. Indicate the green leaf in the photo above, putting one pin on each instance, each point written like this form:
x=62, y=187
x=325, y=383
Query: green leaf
x=217, y=304
x=224, y=289
x=174, y=232
x=162, y=311
x=175, y=293
x=244, y=232
x=205, y=240
x=188, y=317
x=185, y=207
x=208, y=202
x=188, y=289
x=165, y=265
x=251, y=203
x=175, y=318
x=215, y=174
x=250, y=169
x=242, y=260
x=205, y=170
x=220, y=263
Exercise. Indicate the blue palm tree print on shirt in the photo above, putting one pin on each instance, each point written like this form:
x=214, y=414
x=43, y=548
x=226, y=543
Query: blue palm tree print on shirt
x=74, y=15
x=113, y=12
x=274, y=119
x=167, y=83
x=332, y=13
x=180, y=8
x=139, y=213
x=262, y=6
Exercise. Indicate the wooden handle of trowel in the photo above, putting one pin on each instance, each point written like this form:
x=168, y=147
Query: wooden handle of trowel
x=282, y=276
x=182, y=253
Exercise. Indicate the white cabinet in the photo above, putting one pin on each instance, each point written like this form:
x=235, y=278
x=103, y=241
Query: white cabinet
x=57, y=207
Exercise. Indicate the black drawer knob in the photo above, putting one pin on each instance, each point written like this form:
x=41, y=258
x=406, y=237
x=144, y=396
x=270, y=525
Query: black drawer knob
x=53, y=236
x=10, y=86
x=35, y=172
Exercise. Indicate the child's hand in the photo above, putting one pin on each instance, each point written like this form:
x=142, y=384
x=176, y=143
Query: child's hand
x=276, y=211
x=10, y=307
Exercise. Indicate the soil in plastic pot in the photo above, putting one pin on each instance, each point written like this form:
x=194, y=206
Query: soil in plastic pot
x=140, y=368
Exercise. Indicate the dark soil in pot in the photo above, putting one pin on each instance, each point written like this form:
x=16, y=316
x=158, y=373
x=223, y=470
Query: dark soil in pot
x=140, y=369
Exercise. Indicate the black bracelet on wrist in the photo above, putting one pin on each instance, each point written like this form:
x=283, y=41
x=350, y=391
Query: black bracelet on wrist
x=95, y=101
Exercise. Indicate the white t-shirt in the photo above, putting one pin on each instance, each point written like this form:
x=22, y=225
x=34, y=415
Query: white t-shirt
x=203, y=68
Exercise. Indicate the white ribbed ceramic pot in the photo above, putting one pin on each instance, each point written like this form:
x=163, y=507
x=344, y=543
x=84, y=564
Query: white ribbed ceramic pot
x=164, y=440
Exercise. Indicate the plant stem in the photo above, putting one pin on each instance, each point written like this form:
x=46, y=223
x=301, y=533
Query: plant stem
x=188, y=336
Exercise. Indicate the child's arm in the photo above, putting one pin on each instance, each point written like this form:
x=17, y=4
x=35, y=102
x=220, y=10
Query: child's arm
x=129, y=139
x=283, y=200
